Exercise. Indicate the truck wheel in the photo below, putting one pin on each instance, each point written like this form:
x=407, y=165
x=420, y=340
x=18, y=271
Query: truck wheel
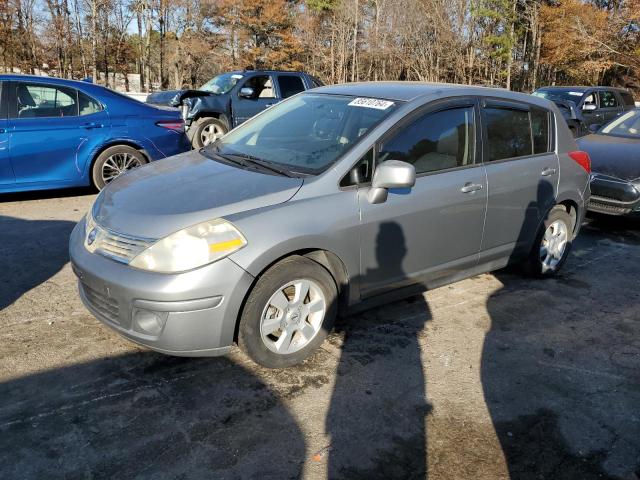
x=115, y=161
x=205, y=131
x=288, y=313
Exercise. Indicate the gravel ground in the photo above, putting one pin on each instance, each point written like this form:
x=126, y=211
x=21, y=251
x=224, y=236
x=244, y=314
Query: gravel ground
x=497, y=376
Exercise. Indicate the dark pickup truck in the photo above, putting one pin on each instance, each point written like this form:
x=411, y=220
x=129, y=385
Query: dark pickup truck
x=230, y=98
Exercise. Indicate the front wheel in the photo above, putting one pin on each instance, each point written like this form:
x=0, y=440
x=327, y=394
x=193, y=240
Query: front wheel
x=552, y=244
x=288, y=313
x=206, y=131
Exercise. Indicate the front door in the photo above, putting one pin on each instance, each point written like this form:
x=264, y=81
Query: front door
x=53, y=130
x=435, y=228
x=6, y=172
x=522, y=176
x=264, y=96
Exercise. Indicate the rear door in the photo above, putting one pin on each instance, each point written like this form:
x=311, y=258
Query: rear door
x=264, y=96
x=53, y=130
x=610, y=106
x=522, y=175
x=6, y=172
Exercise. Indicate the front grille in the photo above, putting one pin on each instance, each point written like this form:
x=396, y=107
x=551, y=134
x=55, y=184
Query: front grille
x=105, y=306
x=119, y=247
x=608, y=208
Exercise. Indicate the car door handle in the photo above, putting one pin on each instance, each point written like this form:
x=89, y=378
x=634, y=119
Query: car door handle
x=548, y=172
x=3, y=130
x=471, y=187
x=91, y=125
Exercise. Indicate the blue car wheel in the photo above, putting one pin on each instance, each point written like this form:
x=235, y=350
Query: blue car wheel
x=115, y=161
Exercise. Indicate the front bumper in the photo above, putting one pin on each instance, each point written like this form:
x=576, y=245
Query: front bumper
x=185, y=314
x=613, y=196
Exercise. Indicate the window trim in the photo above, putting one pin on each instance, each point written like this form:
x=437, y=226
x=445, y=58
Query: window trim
x=485, y=134
x=12, y=113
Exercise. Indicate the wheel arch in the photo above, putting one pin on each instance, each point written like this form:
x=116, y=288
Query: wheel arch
x=323, y=257
x=114, y=143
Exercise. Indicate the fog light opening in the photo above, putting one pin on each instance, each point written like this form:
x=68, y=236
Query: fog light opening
x=149, y=322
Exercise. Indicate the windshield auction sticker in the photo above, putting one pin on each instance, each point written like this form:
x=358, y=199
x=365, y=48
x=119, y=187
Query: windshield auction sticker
x=371, y=103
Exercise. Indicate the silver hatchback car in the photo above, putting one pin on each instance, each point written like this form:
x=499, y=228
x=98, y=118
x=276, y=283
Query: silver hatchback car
x=338, y=198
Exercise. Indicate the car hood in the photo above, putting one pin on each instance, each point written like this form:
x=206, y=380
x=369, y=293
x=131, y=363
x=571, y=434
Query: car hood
x=613, y=156
x=168, y=195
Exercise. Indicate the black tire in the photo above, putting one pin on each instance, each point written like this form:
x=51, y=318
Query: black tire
x=195, y=132
x=98, y=170
x=287, y=270
x=534, y=265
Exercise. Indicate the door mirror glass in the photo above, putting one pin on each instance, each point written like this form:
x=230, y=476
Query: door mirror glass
x=588, y=107
x=391, y=174
x=247, y=92
x=594, y=127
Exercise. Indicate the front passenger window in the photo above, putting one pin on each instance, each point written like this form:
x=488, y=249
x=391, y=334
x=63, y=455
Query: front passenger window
x=436, y=141
x=262, y=86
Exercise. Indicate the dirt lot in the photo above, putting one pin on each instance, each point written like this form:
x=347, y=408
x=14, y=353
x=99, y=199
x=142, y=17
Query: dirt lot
x=494, y=377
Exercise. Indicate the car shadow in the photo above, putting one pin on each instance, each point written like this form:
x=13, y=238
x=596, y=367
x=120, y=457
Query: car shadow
x=146, y=415
x=377, y=416
x=46, y=194
x=31, y=252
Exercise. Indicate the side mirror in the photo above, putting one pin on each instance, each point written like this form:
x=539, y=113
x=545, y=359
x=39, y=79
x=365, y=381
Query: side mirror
x=594, y=127
x=247, y=92
x=589, y=107
x=390, y=174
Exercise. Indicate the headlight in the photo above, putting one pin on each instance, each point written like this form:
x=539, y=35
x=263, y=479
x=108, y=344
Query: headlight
x=191, y=248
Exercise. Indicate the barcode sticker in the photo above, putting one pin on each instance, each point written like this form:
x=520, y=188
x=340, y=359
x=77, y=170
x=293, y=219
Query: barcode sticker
x=371, y=103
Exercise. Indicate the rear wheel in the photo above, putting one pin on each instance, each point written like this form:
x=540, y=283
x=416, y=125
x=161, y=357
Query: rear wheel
x=552, y=244
x=206, y=131
x=288, y=313
x=115, y=161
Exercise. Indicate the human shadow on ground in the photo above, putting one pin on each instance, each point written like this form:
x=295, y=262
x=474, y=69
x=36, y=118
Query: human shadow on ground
x=31, y=252
x=146, y=415
x=560, y=364
x=376, y=419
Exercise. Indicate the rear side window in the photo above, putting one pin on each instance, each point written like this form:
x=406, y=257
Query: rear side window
x=627, y=98
x=607, y=99
x=435, y=141
x=87, y=105
x=290, y=85
x=508, y=133
x=540, y=129
x=45, y=101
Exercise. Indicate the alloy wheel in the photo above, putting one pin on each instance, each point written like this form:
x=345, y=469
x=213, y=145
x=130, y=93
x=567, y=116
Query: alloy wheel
x=293, y=316
x=117, y=164
x=553, y=245
x=210, y=133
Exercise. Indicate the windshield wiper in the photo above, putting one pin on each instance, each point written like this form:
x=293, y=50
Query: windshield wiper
x=260, y=162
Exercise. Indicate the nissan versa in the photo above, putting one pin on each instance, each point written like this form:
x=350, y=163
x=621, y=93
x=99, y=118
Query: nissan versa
x=338, y=197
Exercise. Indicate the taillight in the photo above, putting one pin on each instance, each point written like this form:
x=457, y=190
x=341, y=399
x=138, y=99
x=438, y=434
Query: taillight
x=582, y=159
x=176, y=125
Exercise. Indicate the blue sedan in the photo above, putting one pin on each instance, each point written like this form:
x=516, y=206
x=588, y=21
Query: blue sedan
x=58, y=133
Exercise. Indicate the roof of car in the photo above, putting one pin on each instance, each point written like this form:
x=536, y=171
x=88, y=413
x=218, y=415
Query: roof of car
x=245, y=72
x=581, y=88
x=407, y=91
x=45, y=79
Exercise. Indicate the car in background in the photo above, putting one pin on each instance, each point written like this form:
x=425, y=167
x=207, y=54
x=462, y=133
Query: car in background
x=339, y=198
x=615, y=160
x=229, y=99
x=59, y=133
x=598, y=105
x=572, y=116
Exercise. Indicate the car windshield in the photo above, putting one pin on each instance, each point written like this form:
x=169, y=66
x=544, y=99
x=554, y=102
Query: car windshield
x=305, y=134
x=222, y=83
x=567, y=95
x=627, y=125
